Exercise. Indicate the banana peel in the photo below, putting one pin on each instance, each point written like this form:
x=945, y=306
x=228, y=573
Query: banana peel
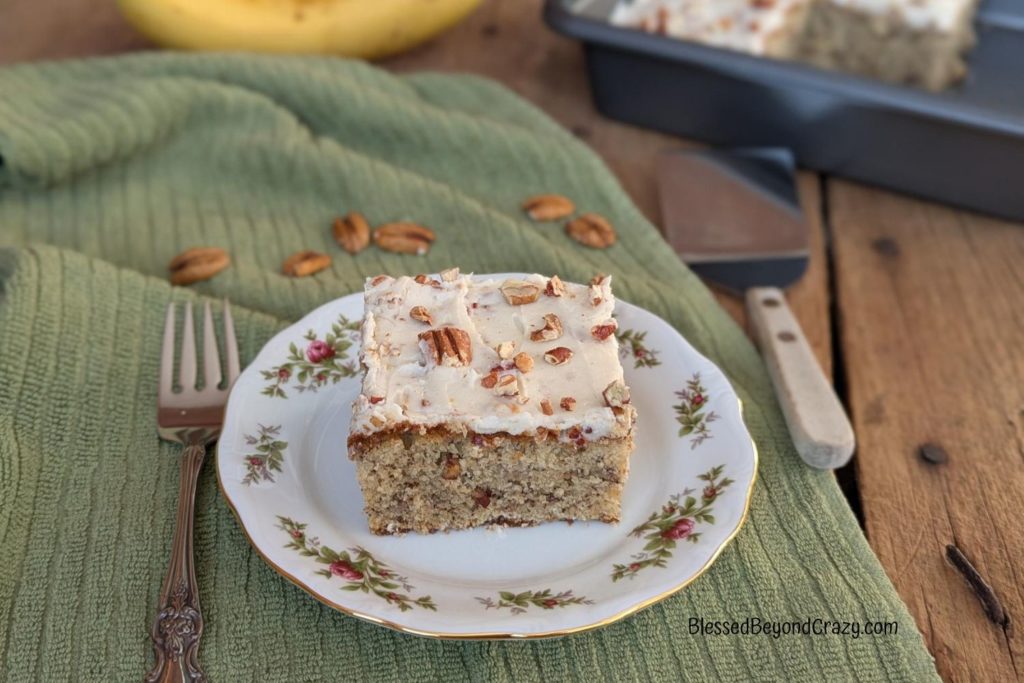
x=353, y=28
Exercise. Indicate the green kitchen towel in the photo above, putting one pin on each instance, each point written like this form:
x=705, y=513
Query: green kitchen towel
x=112, y=166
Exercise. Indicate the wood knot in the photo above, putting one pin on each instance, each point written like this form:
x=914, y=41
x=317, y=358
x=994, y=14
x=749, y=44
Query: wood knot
x=886, y=246
x=933, y=454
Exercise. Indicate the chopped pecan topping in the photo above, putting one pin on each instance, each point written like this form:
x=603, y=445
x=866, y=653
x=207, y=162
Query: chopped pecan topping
x=551, y=331
x=559, y=355
x=490, y=379
x=448, y=346
x=523, y=361
x=379, y=279
x=425, y=280
x=555, y=287
x=374, y=400
x=568, y=403
x=545, y=407
x=505, y=350
x=507, y=386
x=598, y=279
x=422, y=314
x=616, y=394
x=519, y=293
x=450, y=274
x=596, y=295
x=604, y=330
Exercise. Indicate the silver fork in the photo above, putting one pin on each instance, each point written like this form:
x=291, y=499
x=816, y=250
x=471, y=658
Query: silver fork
x=191, y=417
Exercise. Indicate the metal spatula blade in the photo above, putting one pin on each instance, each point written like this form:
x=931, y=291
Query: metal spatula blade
x=735, y=218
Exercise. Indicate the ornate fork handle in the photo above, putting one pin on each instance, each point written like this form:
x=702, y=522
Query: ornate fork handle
x=179, y=623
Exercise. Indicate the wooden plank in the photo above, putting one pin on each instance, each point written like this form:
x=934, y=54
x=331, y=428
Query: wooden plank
x=932, y=334
x=30, y=30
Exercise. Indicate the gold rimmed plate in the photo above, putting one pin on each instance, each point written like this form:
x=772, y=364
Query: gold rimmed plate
x=282, y=466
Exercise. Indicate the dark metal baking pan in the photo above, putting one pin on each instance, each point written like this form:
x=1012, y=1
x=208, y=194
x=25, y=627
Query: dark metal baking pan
x=963, y=146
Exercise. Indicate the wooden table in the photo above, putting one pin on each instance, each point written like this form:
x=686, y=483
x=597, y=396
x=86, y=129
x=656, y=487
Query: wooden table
x=917, y=311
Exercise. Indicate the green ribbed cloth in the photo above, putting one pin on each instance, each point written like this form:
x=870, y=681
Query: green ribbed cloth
x=112, y=166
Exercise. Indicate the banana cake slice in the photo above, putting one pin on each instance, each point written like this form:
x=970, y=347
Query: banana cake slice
x=486, y=402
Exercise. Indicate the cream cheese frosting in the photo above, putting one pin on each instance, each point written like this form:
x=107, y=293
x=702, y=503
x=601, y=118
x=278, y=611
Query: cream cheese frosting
x=407, y=382
x=752, y=26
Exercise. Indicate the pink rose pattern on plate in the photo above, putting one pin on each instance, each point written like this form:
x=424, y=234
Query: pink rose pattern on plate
x=632, y=345
x=690, y=412
x=318, y=362
x=545, y=599
x=676, y=521
x=268, y=456
x=356, y=567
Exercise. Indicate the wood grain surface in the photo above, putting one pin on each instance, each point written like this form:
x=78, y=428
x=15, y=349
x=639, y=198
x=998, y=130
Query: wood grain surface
x=927, y=304
x=931, y=305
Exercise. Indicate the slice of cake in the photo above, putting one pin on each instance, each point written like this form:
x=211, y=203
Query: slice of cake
x=489, y=402
x=918, y=42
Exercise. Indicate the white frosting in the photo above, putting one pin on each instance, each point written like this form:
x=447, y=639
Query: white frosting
x=404, y=386
x=755, y=25
x=746, y=25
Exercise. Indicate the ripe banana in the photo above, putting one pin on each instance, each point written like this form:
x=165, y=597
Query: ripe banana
x=354, y=28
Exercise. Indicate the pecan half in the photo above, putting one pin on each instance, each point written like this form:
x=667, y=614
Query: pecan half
x=352, y=232
x=545, y=407
x=404, y=238
x=198, y=263
x=559, y=355
x=422, y=314
x=303, y=263
x=448, y=346
x=568, y=403
x=548, y=207
x=555, y=287
x=616, y=394
x=505, y=349
x=551, y=331
x=520, y=293
x=604, y=330
x=591, y=230
x=524, y=362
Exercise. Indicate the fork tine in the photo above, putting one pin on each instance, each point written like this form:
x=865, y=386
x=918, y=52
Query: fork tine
x=167, y=357
x=230, y=344
x=187, y=369
x=211, y=357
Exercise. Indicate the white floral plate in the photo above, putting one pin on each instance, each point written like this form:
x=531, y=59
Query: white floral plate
x=282, y=467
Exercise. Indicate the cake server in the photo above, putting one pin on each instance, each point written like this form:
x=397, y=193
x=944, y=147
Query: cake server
x=734, y=217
